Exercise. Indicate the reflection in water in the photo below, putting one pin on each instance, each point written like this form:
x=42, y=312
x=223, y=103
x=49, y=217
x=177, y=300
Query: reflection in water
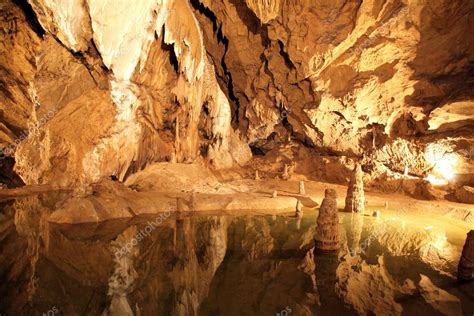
x=26, y=223
x=326, y=279
x=355, y=233
x=125, y=251
x=223, y=265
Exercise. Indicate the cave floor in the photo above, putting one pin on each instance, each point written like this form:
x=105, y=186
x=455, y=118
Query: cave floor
x=187, y=189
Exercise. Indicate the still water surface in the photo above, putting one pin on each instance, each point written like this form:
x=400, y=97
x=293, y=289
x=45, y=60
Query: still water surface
x=396, y=264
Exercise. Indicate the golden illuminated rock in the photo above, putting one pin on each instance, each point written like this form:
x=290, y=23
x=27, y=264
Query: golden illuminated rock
x=355, y=198
x=327, y=231
x=299, y=209
x=98, y=89
x=301, y=188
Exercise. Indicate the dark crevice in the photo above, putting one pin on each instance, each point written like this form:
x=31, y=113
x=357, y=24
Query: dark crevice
x=250, y=19
x=95, y=52
x=31, y=18
x=285, y=56
x=16, y=130
x=221, y=38
x=229, y=80
x=5, y=91
x=170, y=49
x=256, y=151
x=206, y=12
x=7, y=175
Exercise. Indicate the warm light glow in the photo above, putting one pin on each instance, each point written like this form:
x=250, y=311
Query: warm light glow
x=444, y=164
x=439, y=241
x=435, y=181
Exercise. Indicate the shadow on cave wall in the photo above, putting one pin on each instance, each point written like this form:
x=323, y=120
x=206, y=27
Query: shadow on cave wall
x=444, y=63
x=9, y=177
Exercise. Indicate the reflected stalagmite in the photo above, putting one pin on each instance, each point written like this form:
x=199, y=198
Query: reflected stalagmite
x=121, y=282
x=355, y=199
x=299, y=209
x=327, y=232
x=326, y=278
x=355, y=234
x=298, y=223
x=466, y=264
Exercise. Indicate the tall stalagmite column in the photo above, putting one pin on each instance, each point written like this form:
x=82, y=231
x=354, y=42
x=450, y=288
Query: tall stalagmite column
x=327, y=232
x=355, y=198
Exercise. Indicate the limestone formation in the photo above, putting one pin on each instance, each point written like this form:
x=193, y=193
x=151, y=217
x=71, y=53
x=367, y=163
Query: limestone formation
x=327, y=231
x=465, y=194
x=466, y=263
x=302, y=190
x=299, y=209
x=173, y=157
x=355, y=198
x=361, y=87
x=182, y=205
x=184, y=102
x=193, y=202
x=286, y=172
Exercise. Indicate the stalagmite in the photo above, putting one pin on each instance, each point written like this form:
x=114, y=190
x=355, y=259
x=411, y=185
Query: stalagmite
x=466, y=264
x=173, y=157
x=257, y=176
x=327, y=232
x=355, y=199
x=193, y=202
x=299, y=209
x=182, y=205
x=302, y=190
x=274, y=194
x=286, y=173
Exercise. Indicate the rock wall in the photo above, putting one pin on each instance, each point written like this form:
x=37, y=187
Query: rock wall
x=99, y=88
x=114, y=87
